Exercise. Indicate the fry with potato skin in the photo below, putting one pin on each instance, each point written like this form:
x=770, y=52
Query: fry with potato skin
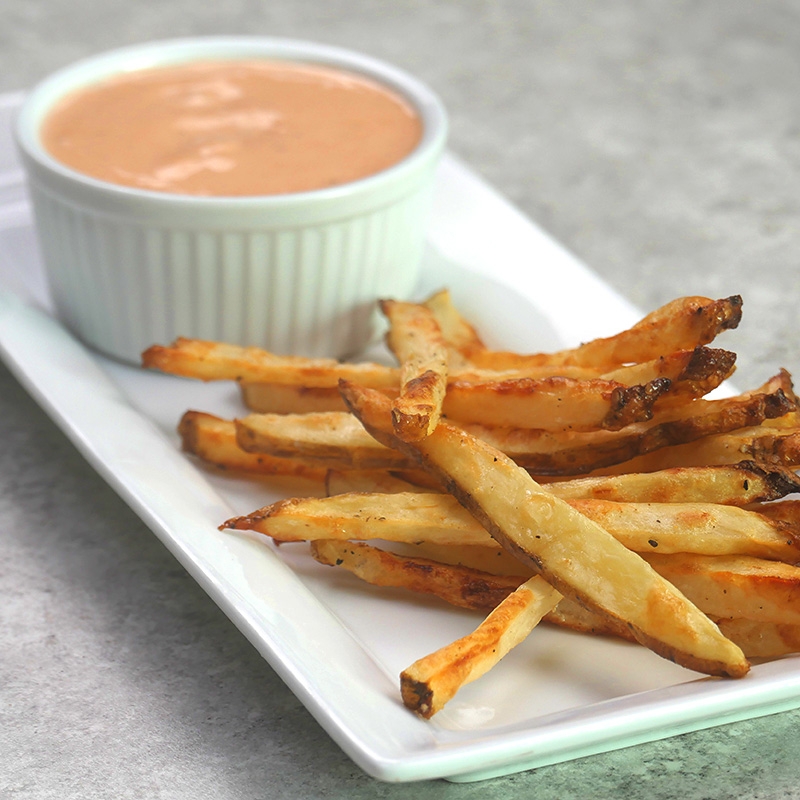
x=583, y=561
x=214, y=441
x=458, y=586
x=548, y=453
x=681, y=324
x=703, y=528
x=692, y=373
x=739, y=484
x=756, y=638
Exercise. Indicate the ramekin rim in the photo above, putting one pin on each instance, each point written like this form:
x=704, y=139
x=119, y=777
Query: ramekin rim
x=425, y=100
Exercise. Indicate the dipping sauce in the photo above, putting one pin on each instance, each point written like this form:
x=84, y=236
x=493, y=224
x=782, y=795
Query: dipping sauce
x=232, y=128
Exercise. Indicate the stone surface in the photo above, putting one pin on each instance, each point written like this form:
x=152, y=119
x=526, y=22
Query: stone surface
x=659, y=142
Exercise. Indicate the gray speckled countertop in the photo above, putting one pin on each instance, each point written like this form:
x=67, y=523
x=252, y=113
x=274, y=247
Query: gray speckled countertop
x=660, y=142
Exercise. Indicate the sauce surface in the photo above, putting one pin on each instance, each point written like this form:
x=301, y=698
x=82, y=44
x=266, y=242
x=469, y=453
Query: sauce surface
x=232, y=128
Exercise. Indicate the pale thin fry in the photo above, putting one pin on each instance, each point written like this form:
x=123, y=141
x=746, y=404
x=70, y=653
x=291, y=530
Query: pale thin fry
x=682, y=324
x=214, y=441
x=572, y=553
x=415, y=338
x=429, y=683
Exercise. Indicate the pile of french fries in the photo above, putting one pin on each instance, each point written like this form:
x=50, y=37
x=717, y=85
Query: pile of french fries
x=597, y=488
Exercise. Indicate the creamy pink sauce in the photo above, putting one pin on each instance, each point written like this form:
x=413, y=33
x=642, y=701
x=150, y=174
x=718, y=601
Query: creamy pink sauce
x=232, y=128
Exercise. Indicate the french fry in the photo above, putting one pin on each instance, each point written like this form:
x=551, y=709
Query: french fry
x=415, y=338
x=735, y=586
x=290, y=398
x=216, y=361
x=682, y=324
x=473, y=588
x=456, y=585
x=704, y=528
x=582, y=561
x=331, y=439
x=406, y=517
x=692, y=373
x=553, y=404
x=762, y=639
x=214, y=441
x=738, y=484
x=429, y=683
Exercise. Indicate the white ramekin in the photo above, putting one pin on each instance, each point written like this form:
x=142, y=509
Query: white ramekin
x=294, y=273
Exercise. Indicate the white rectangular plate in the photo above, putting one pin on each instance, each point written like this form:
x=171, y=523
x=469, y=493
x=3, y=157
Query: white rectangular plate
x=340, y=644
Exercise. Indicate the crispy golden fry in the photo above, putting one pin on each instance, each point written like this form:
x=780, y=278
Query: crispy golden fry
x=683, y=324
x=214, y=440
x=458, y=586
x=572, y=553
x=410, y=517
x=331, y=439
x=548, y=453
x=692, y=373
x=429, y=683
x=415, y=338
x=735, y=586
x=735, y=484
x=216, y=361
